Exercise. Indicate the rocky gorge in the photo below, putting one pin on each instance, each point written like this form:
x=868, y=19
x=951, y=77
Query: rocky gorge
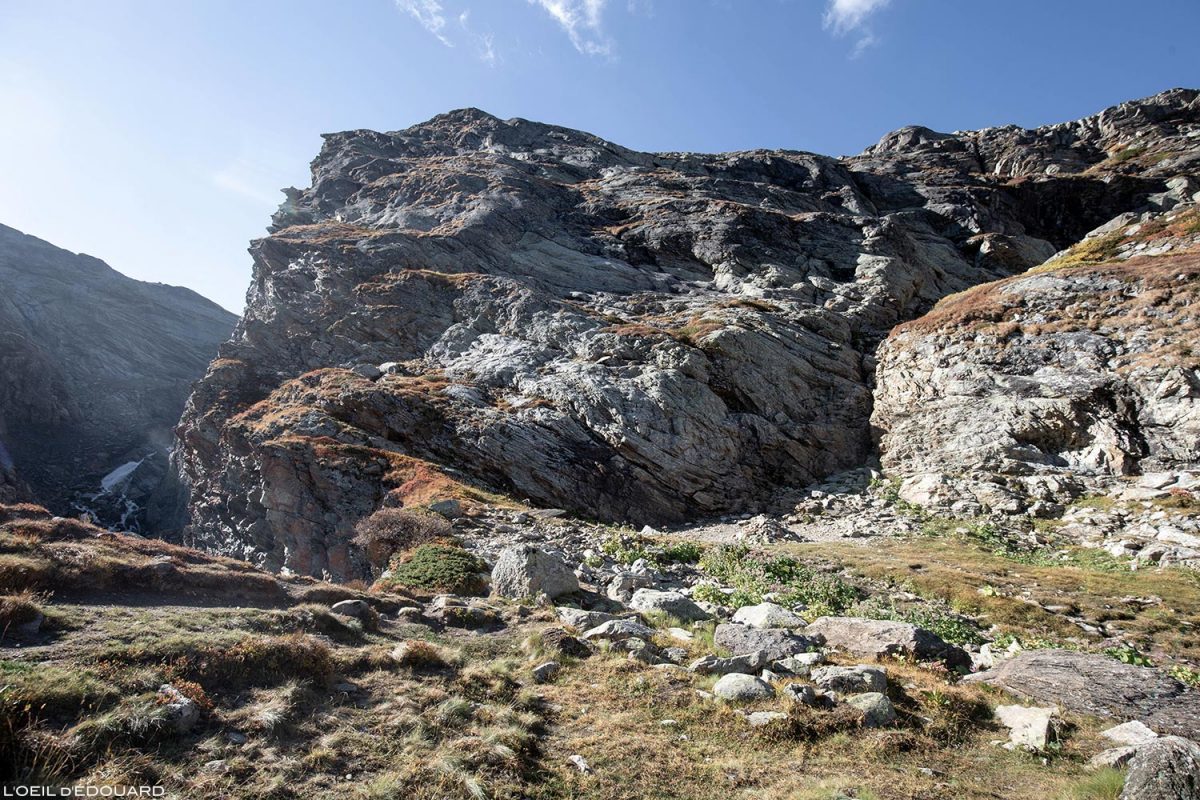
x=96, y=368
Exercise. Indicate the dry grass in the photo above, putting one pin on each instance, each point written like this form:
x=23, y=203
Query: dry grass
x=1010, y=594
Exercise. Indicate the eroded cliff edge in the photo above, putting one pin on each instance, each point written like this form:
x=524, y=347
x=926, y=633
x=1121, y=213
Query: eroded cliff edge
x=630, y=336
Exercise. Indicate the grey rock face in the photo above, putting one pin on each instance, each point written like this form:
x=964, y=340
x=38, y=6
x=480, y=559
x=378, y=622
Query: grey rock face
x=768, y=615
x=873, y=638
x=850, y=680
x=1165, y=769
x=1017, y=385
x=630, y=336
x=775, y=643
x=673, y=603
x=525, y=571
x=738, y=687
x=96, y=368
x=1095, y=684
x=877, y=709
x=618, y=630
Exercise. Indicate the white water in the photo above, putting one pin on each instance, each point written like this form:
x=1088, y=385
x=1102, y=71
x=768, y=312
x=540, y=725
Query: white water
x=114, y=478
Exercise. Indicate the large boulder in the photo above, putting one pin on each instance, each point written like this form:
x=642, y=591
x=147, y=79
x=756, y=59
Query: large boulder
x=875, y=638
x=1086, y=683
x=525, y=571
x=1165, y=769
x=778, y=643
x=673, y=603
x=768, y=615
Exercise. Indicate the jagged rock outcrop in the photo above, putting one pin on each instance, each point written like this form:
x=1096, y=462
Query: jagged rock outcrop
x=96, y=368
x=629, y=336
x=1023, y=390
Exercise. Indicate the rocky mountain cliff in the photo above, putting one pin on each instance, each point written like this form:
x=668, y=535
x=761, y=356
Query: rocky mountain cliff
x=629, y=336
x=1019, y=394
x=96, y=368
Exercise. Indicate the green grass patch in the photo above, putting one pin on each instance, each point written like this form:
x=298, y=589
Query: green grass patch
x=439, y=567
x=753, y=575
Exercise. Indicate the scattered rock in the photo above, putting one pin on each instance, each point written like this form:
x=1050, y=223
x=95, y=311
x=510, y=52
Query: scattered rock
x=877, y=709
x=1167, y=768
x=800, y=664
x=618, y=630
x=525, y=571
x=738, y=687
x=544, y=673
x=582, y=620
x=1130, y=733
x=449, y=508
x=356, y=609
x=803, y=694
x=558, y=639
x=768, y=615
x=776, y=642
x=182, y=711
x=624, y=584
x=673, y=603
x=1029, y=727
x=1114, y=757
x=761, y=719
x=872, y=638
x=746, y=664
x=850, y=680
x=1086, y=683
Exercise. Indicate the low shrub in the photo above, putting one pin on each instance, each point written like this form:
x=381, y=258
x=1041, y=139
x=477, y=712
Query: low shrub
x=628, y=548
x=754, y=575
x=439, y=567
x=393, y=530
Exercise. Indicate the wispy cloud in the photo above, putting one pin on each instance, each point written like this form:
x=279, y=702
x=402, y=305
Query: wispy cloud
x=485, y=43
x=429, y=14
x=249, y=179
x=583, y=22
x=851, y=16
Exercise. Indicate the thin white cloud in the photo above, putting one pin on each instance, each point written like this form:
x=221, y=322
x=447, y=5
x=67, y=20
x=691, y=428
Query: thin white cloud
x=429, y=14
x=485, y=43
x=249, y=179
x=864, y=43
x=847, y=16
x=583, y=22
x=487, y=49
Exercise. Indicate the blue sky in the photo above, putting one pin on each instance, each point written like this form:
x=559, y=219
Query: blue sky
x=155, y=134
